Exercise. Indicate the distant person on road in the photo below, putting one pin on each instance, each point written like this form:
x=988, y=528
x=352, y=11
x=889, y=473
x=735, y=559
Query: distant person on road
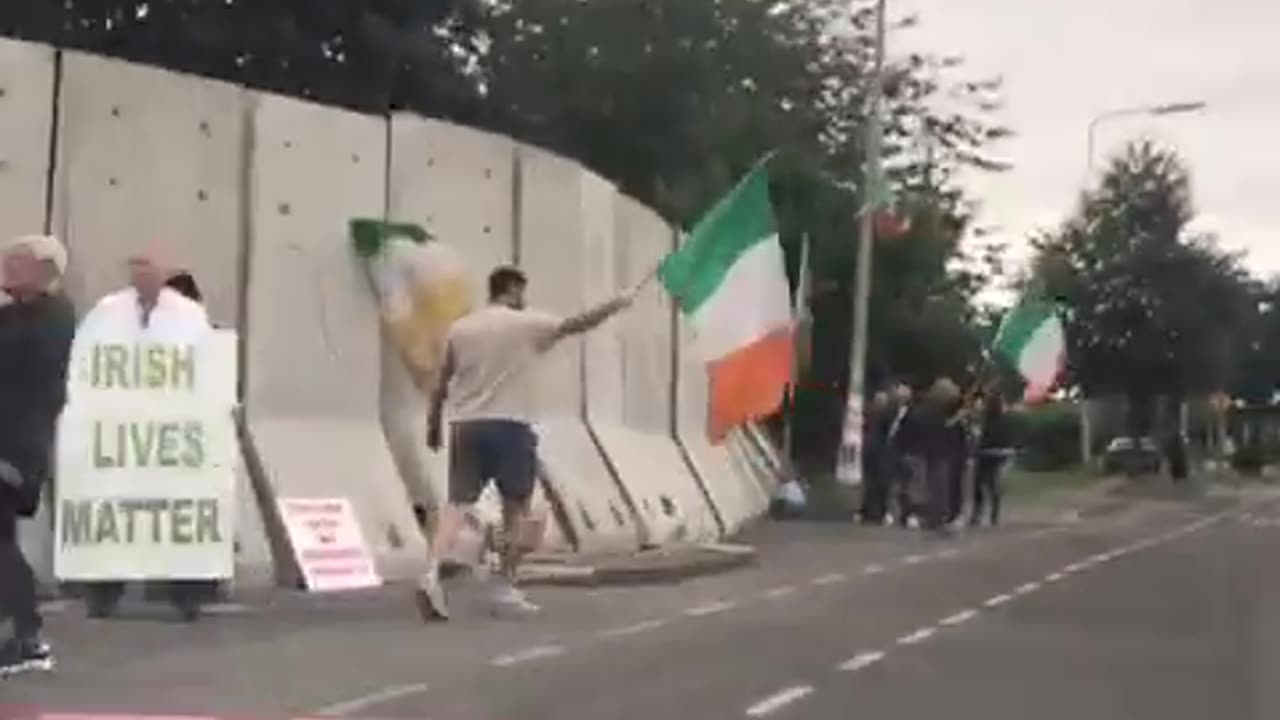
x=899, y=464
x=995, y=445
x=37, y=324
x=934, y=445
x=488, y=380
x=958, y=439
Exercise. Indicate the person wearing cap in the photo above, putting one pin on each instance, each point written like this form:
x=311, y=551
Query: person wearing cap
x=37, y=325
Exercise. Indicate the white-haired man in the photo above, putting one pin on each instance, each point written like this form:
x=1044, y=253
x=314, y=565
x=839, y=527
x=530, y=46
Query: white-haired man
x=37, y=324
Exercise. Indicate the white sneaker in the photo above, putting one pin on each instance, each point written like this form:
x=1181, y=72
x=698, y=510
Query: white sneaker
x=430, y=598
x=510, y=603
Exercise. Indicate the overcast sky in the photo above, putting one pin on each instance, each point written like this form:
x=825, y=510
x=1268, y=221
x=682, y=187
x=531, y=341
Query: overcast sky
x=1065, y=61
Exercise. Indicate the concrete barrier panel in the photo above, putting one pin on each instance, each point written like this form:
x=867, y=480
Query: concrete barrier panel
x=737, y=496
x=458, y=183
x=26, y=114
x=313, y=331
x=629, y=373
x=553, y=238
x=148, y=155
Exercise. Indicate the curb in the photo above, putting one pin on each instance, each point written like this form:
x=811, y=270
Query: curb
x=659, y=567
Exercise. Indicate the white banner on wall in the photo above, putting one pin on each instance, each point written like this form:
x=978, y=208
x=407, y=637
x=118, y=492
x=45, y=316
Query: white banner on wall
x=147, y=452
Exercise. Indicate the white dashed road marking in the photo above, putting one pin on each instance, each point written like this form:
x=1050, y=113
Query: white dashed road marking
x=963, y=616
x=779, y=700
x=780, y=591
x=356, y=705
x=710, y=609
x=635, y=629
x=873, y=569
x=831, y=579
x=917, y=637
x=914, y=559
x=997, y=601
x=524, y=656
x=1027, y=588
x=861, y=661
x=1054, y=577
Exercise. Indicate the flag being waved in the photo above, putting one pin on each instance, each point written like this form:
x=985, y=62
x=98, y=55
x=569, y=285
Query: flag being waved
x=1031, y=338
x=730, y=280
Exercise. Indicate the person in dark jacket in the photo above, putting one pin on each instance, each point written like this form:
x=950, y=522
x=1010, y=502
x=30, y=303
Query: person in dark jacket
x=958, y=437
x=994, y=447
x=875, y=476
x=934, y=445
x=37, y=325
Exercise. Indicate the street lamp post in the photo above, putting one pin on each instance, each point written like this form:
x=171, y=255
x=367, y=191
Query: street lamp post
x=849, y=466
x=1160, y=110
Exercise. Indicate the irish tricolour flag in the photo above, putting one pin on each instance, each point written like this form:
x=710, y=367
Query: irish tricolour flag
x=730, y=280
x=1031, y=338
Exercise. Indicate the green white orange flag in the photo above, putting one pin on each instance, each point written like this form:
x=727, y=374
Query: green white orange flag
x=1032, y=339
x=730, y=280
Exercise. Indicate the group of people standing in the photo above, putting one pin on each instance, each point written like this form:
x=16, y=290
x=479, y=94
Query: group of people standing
x=919, y=451
x=37, y=328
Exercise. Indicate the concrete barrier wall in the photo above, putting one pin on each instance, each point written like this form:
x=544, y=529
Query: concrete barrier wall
x=553, y=239
x=148, y=156
x=26, y=116
x=253, y=194
x=313, y=346
x=630, y=381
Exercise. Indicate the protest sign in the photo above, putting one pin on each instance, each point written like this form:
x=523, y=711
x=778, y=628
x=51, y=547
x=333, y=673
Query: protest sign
x=147, y=451
x=328, y=544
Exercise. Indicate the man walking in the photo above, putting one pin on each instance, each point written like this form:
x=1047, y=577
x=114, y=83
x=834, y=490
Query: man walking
x=37, y=324
x=488, y=377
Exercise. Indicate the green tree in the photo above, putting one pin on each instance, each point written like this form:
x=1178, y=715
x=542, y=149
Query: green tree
x=1153, y=309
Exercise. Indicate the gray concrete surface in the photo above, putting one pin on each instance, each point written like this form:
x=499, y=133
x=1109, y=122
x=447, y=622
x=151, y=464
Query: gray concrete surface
x=1163, y=609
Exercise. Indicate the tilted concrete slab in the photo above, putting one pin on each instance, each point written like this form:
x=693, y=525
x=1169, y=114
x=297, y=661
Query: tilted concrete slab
x=149, y=156
x=552, y=239
x=737, y=496
x=630, y=381
x=313, y=341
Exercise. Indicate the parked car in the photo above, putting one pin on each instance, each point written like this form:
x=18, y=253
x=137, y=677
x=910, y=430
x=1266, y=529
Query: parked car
x=1132, y=456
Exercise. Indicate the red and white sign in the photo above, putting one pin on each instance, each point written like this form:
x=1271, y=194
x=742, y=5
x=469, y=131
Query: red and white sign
x=328, y=544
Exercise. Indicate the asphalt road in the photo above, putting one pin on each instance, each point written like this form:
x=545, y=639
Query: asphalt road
x=1164, y=610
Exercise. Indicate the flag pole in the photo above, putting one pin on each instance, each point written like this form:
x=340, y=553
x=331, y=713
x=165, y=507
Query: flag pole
x=801, y=315
x=849, y=463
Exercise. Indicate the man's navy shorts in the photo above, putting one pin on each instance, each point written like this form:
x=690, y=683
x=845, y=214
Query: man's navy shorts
x=502, y=451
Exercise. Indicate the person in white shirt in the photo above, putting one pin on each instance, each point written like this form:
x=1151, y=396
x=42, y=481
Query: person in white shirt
x=488, y=380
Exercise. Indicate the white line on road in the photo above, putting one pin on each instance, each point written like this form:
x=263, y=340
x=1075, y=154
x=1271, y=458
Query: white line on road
x=963, y=616
x=635, y=629
x=1078, y=567
x=367, y=701
x=710, y=609
x=997, y=601
x=536, y=653
x=913, y=559
x=917, y=637
x=861, y=661
x=780, y=591
x=779, y=700
x=1054, y=577
x=831, y=579
x=873, y=569
x=1027, y=588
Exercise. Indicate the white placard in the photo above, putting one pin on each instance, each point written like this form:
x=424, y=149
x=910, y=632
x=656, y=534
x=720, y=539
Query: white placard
x=145, y=494
x=147, y=449
x=327, y=543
